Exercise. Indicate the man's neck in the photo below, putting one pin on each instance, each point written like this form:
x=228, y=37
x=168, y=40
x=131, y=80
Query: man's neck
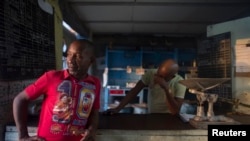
x=81, y=76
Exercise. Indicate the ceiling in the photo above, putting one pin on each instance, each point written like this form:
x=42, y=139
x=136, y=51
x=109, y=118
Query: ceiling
x=168, y=17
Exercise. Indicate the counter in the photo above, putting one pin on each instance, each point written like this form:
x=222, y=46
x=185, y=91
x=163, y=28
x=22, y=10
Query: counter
x=143, y=122
x=152, y=127
x=145, y=127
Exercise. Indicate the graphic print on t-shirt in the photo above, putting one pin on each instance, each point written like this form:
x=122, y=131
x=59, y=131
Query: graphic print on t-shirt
x=85, y=103
x=62, y=111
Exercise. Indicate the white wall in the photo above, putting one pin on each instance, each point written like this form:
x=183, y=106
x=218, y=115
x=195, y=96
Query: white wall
x=240, y=29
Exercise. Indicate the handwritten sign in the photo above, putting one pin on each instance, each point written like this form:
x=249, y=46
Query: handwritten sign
x=242, y=54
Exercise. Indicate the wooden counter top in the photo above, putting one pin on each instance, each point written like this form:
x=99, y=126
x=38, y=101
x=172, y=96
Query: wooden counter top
x=154, y=121
x=124, y=121
x=138, y=127
x=143, y=122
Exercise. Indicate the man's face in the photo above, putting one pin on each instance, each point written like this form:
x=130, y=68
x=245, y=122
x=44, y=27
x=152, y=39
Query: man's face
x=78, y=60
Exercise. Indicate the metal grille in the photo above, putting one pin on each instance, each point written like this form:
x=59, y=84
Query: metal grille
x=214, y=61
x=26, y=40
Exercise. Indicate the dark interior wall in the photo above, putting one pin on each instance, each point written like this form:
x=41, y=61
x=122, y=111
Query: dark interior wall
x=26, y=50
x=140, y=41
x=8, y=90
x=149, y=42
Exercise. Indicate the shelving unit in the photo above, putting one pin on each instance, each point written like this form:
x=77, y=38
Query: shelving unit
x=117, y=60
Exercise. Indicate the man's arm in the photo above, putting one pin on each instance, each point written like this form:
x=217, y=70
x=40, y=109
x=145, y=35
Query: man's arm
x=93, y=121
x=129, y=96
x=20, y=108
x=92, y=126
x=173, y=103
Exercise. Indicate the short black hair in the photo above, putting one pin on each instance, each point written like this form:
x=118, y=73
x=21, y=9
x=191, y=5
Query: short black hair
x=88, y=44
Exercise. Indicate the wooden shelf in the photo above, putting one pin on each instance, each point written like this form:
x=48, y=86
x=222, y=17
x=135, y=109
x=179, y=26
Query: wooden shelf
x=242, y=74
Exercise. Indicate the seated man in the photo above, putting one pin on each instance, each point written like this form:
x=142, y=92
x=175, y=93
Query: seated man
x=165, y=95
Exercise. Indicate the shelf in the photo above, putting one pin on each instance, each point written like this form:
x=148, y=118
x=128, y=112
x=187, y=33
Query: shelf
x=242, y=74
x=117, y=69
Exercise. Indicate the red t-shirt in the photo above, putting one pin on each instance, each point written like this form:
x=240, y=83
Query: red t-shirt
x=67, y=104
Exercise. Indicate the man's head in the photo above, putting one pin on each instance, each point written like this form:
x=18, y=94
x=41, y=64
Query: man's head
x=80, y=56
x=167, y=69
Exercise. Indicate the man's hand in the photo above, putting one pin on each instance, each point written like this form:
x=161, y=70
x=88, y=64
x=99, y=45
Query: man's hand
x=161, y=81
x=88, y=135
x=111, y=111
x=33, y=138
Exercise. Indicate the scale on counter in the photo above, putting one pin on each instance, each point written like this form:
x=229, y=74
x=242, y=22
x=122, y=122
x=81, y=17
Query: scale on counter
x=198, y=86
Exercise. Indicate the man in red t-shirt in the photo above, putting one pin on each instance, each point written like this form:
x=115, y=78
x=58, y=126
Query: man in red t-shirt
x=71, y=100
